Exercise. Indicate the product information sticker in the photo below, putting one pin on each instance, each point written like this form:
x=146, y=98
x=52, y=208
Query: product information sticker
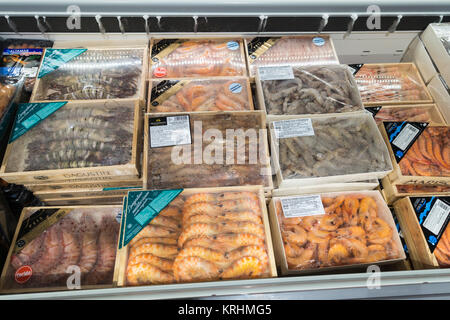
x=276, y=73
x=169, y=131
x=293, y=128
x=302, y=206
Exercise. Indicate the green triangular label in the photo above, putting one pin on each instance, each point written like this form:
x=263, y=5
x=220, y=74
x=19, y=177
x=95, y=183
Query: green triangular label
x=122, y=222
x=142, y=207
x=54, y=58
x=30, y=114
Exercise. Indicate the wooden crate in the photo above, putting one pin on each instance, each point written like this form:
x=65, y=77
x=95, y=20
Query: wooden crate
x=396, y=177
x=61, y=187
x=6, y=273
x=207, y=81
x=420, y=254
x=140, y=95
x=384, y=212
x=130, y=170
x=334, y=55
x=394, y=192
x=283, y=183
x=409, y=68
x=83, y=201
x=146, y=150
x=123, y=253
x=238, y=39
x=86, y=192
x=435, y=115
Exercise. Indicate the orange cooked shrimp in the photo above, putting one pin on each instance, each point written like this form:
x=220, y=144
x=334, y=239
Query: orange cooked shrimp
x=318, y=236
x=154, y=231
x=163, y=264
x=245, y=267
x=295, y=234
x=338, y=253
x=242, y=227
x=157, y=249
x=305, y=259
x=201, y=252
x=197, y=229
x=249, y=251
x=292, y=250
x=144, y=273
x=161, y=240
x=199, y=197
x=190, y=269
x=380, y=233
x=238, y=240
x=330, y=222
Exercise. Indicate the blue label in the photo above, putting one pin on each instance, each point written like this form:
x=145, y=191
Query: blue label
x=120, y=188
x=30, y=114
x=318, y=41
x=235, y=87
x=54, y=58
x=232, y=45
x=22, y=52
x=142, y=207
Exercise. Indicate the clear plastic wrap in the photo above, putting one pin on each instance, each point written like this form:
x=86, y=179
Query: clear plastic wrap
x=345, y=145
x=81, y=239
x=442, y=250
x=294, y=51
x=200, y=95
x=391, y=83
x=314, y=89
x=78, y=135
x=202, y=236
x=429, y=156
x=177, y=58
x=220, y=154
x=95, y=74
x=357, y=228
x=412, y=113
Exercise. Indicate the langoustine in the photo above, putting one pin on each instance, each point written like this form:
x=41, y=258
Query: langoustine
x=429, y=155
x=197, y=58
x=414, y=114
x=200, y=95
x=352, y=231
x=216, y=249
x=82, y=242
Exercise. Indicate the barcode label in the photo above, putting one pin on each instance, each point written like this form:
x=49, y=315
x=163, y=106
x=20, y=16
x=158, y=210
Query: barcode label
x=293, y=128
x=437, y=217
x=405, y=137
x=276, y=73
x=173, y=131
x=302, y=206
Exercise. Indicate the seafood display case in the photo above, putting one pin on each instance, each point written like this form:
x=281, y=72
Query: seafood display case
x=50, y=241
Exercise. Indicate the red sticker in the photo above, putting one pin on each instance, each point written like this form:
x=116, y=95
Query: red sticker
x=160, y=72
x=23, y=274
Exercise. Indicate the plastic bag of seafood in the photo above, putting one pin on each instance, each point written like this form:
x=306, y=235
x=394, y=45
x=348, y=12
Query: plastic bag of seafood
x=63, y=248
x=416, y=113
x=328, y=149
x=333, y=231
x=291, y=50
x=213, y=94
x=62, y=141
x=426, y=230
x=420, y=153
x=91, y=74
x=206, y=149
x=194, y=58
x=204, y=234
x=310, y=90
x=391, y=83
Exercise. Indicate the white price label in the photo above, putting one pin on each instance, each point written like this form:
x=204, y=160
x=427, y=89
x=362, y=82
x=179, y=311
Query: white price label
x=276, y=73
x=175, y=131
x=302, y=206
x=293, y=128
x=437, y=217
x=406, y=135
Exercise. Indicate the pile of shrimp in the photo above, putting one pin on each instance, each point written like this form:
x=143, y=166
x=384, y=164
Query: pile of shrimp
x=202, y=58
x=429, y=155
x=221, y=237
x=211, y=95
x=442, y=250
x=350, y=232
x=415, y=114
x=389, y=83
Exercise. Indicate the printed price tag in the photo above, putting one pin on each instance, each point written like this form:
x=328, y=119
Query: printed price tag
x=293, y=128
x=276, y=73
x=405, y=137
x=302, y=206
x=170, y=131
x=437, y=217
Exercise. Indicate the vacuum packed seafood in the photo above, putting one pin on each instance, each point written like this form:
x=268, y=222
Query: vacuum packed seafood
x=201, y=237
x=390, y=83
x=75, y=136
x=94, y=74
x=340, y=145
x=175, y=58
x=429, y=155
x=293, y=51
x=84, y=239
x=200, y=95
x=314, y=89
x=353, y=230
x=225, y=149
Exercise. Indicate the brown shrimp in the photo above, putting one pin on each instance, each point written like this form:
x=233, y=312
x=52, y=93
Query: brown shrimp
x=144, y=273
